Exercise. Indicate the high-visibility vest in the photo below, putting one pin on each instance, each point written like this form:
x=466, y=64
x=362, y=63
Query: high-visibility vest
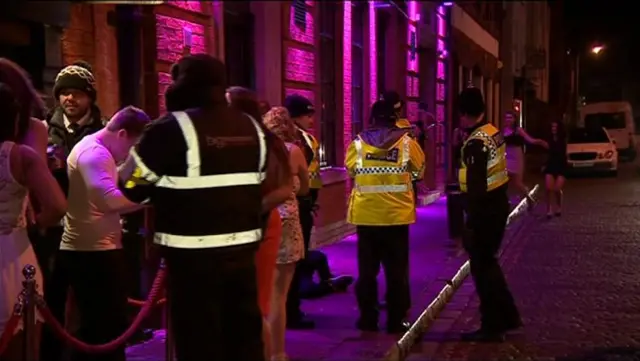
x=211, y=197
x=497, y=162
x=315, y=181
x=382, y=193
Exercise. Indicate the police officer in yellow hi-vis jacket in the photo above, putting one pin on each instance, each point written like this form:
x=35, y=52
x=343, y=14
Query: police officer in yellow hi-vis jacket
x=483, y=178
x=301, y=111
x=381, y=160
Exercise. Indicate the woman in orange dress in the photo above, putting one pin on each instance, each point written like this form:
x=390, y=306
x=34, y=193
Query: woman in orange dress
x=276, y=189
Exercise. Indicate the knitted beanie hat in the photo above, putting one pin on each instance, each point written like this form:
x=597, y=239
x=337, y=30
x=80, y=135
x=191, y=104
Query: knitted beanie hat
x=76, y=76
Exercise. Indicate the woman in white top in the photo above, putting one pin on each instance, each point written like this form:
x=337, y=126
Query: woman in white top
x=291, y=244
x=22, y=172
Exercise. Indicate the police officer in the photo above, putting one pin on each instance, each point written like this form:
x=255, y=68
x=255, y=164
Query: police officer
x=302, y=111
x=381, y=160
x=397, y=103
x=202, y=170
x=483, y=178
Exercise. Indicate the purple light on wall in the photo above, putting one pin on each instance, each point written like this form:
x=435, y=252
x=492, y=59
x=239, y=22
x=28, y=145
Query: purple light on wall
x=412, y=59
x=170, y=37
x=442, y=26
x=441, y=72
x=190, y=5
x=412, y=110
x=442, y=46
x=440, y=92
x=164, y=80
x=300, y=66
x=413, y=86
x=373, y=55
x=306, y=35
x=347, y=70
x=440, y=113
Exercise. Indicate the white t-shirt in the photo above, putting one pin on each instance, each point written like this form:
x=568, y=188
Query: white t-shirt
x=92, y=222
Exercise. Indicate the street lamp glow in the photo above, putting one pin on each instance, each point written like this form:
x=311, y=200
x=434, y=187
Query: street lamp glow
x=597, y=49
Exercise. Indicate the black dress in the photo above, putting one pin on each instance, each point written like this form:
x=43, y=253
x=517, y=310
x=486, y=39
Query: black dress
x=557, y=158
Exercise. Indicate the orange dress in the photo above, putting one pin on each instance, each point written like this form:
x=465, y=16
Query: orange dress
x=266, y=260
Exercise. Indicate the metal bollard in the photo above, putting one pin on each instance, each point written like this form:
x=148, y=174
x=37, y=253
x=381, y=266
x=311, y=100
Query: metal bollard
x=29, y=293
x=169, y=347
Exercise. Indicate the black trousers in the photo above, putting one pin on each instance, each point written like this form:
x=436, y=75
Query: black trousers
x=482, y=240
x=317, y=262
x=98, y=280
x=305, y=206
x=46, y=246
x=387, y=246
x=213, y=301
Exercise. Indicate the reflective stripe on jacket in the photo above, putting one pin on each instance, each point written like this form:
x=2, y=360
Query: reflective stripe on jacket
x=382, y=193
x=315, y=181
x=496, y=163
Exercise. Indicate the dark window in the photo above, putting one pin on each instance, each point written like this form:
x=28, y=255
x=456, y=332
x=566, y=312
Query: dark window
x=606, y=120
x=592, y=135
x=382, y=21
x=358, y=14
x=239, y=44
x=328, y=12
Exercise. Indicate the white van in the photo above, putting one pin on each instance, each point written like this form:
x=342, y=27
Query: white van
x=617, y=119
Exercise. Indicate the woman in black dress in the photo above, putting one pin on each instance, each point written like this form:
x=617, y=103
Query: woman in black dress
x=555, y=169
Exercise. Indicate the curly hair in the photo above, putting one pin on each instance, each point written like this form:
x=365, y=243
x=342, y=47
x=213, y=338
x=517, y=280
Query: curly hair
x=29, y=100
x=280, y=123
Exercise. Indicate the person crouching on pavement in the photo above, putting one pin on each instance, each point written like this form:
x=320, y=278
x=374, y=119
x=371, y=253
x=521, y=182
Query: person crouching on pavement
x=292, y=247
x=484, y=179
x=276, y=190
x=381, y=160
x=91, y=261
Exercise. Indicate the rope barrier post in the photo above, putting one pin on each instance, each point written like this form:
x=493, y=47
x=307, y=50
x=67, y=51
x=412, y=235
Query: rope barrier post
x=169, y=347
x=29, y=290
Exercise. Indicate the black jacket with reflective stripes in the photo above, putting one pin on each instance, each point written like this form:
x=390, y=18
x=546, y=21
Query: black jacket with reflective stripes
x=202, y=171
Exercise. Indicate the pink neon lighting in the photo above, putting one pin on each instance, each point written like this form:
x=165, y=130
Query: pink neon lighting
x=373, y=56
x=413, y=86
x=440, y=113
x=440, y=92
x=347, y=69
x=412, y=110
x=412, y=65
x=442, y=26
x=300, y=66
x=305, y=36
x=164, y=80
x=440, y=73
x=442, y=47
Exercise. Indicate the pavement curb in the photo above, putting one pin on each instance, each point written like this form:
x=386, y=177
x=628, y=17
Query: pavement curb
x=401, y=349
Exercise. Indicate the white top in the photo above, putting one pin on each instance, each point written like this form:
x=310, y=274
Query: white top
x=92, y=222
x=13, y=196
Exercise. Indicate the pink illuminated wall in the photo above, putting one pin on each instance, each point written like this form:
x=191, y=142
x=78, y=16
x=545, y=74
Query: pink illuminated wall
x=441, y=89
x=373, y=56
x=347, y=69
x=300, y=60
x=170, y=36
x=412, y=82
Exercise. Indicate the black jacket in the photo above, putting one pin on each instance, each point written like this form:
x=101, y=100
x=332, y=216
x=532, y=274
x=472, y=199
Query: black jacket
x=59, y=136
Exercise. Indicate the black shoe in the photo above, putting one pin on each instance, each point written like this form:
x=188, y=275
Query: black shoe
x=367, y=325
x=398, y=327
x=483, y=336
x=341, y=283
x=300, y=324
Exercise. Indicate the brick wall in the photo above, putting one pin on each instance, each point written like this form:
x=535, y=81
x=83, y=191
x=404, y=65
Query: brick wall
x=172, y=20
x=299, y=59
x=88, y=37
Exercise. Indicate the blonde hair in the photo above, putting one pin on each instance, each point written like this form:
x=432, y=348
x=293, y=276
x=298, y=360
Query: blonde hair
x=278, y=121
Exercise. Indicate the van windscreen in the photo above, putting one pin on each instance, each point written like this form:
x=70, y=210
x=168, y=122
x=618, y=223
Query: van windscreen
x=605, y=120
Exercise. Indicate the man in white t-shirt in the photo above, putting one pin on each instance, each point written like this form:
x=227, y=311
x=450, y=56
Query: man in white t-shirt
x=91, y=260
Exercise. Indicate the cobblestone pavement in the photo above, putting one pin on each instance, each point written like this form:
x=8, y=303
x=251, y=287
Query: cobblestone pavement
x=433, y=260
x=575, y=279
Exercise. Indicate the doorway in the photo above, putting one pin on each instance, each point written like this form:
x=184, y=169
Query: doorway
x=239, y=25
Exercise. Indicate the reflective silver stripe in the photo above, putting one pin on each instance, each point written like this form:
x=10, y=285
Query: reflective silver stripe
x=307, y=140
x=405, y=151
x=146, y=173
x=194, y=180
x=359, y=157
x=496, y=177
x=193, y=145
x=263, y=145
x=383, y=188
x=314, y=175
x=212, y=241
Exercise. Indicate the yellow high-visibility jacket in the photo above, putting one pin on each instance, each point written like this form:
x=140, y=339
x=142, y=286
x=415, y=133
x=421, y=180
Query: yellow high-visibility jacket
x=497, y=162
x=405, y=124
x=315, y=181
x=381, y=161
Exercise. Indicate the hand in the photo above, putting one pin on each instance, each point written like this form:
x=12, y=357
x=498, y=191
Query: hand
x=542, y=143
